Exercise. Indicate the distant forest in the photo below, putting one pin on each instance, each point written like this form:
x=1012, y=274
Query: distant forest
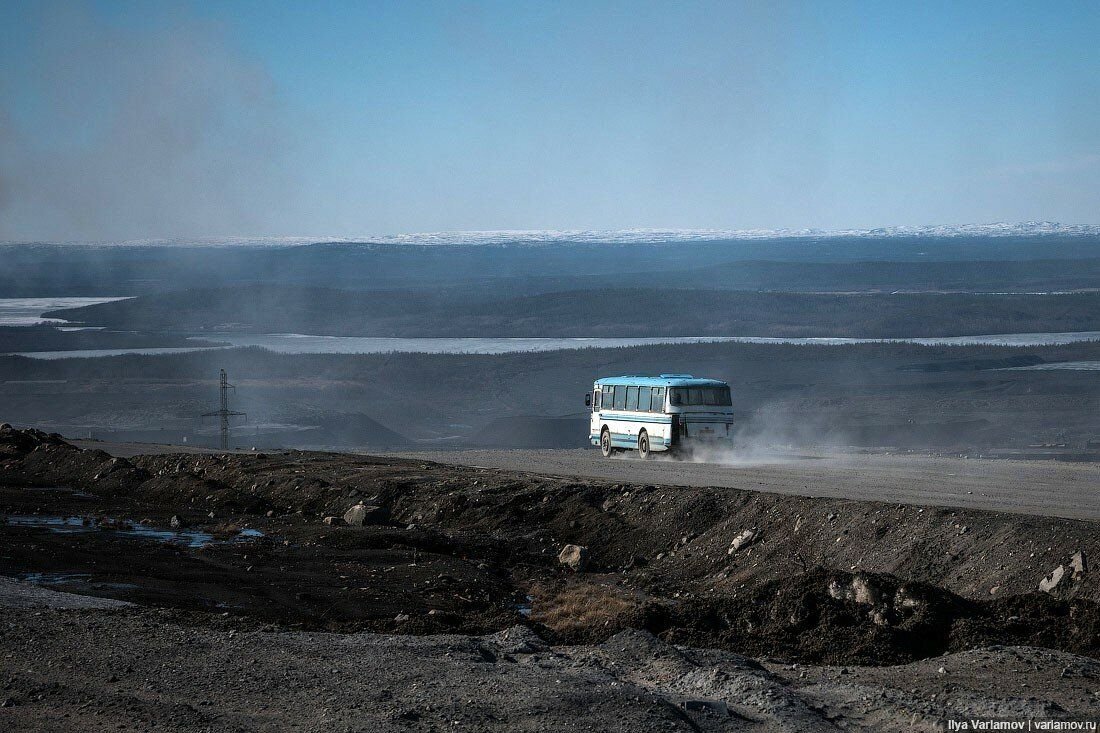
x=624, y=312
x=837, y=264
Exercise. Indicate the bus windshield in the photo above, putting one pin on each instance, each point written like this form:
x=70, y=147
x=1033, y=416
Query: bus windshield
x=709, y=396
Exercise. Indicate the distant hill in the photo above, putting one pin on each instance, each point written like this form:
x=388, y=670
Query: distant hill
x=532, y=431
x=622, y=312
x=57, y=269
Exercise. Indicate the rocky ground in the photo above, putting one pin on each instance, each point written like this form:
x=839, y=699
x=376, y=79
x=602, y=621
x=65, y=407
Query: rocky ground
x=247, y=600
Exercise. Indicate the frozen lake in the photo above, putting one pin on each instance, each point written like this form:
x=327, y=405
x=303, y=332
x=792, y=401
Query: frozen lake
x=290, y=343
x=1073, y=366
x=28, y=311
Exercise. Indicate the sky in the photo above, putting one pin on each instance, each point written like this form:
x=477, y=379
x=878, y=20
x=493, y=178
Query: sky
x=123, y=120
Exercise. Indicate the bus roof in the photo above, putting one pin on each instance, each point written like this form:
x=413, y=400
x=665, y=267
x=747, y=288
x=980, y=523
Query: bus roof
x=661, y=380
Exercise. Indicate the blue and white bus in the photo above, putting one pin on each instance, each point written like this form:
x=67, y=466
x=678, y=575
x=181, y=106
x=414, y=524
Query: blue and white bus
x=662, y=413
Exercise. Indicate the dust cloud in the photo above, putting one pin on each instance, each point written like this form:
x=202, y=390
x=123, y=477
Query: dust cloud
x=774, y=434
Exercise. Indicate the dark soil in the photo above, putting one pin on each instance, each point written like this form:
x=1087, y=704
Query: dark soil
x=457, y=549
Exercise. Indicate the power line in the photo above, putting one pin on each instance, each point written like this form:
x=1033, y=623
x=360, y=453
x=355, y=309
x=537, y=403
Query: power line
x=224, y=413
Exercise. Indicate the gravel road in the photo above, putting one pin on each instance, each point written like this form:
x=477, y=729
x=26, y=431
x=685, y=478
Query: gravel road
x=1040, y=487
x=1049, y=488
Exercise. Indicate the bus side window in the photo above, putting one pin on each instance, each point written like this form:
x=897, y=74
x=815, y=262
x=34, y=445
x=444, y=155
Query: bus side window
x=658, y=399
x=608, y=397
x=620, y=397
x=632, y=398
x=645, y=399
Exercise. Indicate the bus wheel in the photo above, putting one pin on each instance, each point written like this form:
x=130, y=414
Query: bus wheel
x=643, y=444
x=605, y=443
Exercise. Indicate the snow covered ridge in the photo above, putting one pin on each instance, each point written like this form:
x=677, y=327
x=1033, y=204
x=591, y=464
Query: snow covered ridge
x=626, y=236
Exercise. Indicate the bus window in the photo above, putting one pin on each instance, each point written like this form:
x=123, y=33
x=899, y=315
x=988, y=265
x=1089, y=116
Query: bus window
x=632, y=398
x=620, y=398
x=695, y=396
x=658, y=399
x=717, y=396
x=676, y=395
x=645, y=397
x=608, y=397
x=595, y=401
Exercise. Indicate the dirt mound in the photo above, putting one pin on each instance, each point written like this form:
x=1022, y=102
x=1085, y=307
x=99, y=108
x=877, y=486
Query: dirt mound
x=460, y=548
x=825, y=616
x=33, y=458
x=839, y=617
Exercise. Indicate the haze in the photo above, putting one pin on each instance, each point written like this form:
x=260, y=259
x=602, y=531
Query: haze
x=139, y=119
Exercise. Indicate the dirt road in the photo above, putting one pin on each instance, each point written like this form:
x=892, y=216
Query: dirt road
x=1038, y=487
x=1048, y=488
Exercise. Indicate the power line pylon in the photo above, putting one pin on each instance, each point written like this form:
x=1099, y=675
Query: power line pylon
x=224, y=413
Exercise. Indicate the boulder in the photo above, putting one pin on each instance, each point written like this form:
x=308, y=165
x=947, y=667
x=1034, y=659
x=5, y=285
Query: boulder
x=332, y=521
x=175, y=522
x=863, y=592
x=361, y=514
x=1051, y=582
x=744, y=539
x=1079, y=564
x=574, y=557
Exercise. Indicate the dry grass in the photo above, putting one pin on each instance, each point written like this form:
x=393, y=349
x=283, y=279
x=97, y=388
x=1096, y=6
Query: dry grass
x=580, y=607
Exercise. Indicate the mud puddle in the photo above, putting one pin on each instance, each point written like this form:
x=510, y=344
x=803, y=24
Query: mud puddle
x=78, y=493
x=74, y=582
x=124, y=528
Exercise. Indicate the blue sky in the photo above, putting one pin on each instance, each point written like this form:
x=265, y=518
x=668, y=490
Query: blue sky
x=143, y=119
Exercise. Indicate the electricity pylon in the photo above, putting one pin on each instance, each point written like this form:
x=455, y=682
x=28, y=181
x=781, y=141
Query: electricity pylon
x=224, y=413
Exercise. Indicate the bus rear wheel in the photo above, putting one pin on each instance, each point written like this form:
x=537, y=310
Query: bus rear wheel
x=643, y=444
x=605, y=443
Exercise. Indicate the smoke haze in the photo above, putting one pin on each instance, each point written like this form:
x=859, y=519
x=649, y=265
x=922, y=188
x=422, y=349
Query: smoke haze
x=163, y=130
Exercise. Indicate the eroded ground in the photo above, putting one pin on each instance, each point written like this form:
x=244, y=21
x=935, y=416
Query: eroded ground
x=250, y=611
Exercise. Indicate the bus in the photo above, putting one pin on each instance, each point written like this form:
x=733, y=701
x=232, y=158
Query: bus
x=669, y=412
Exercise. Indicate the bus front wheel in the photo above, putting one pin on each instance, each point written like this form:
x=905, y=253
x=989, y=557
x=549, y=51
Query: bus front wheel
x=605, y=443
x=643, y=444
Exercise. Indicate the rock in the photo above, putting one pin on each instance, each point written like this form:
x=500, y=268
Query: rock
x=942, y=670
x=746, y=538
x=858, y=590
x=361, y=514
x=270, y=513
x=175, y=522
x=863, y=592
x=332, y=521
x=1051, y=582
x=574, y=557
x=1079, y=564
x=716, y=707
x=518, y=640
x=401, y=617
